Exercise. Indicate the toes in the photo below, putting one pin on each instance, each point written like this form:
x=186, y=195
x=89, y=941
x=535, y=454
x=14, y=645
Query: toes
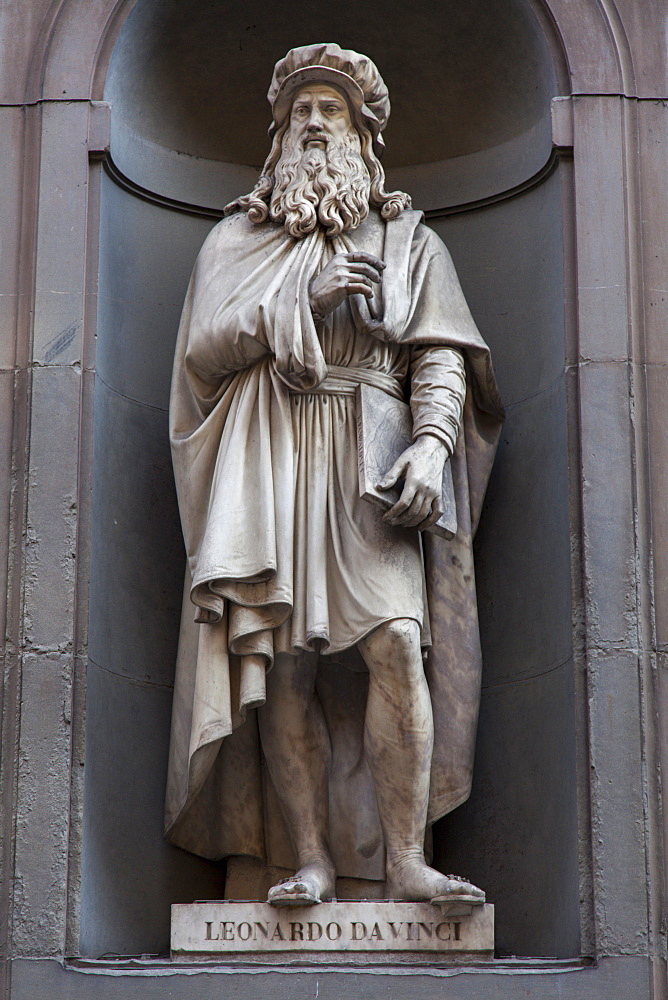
x=463, y=885
x=295, y=892
x=460, y=887
x=289, y=886
x=425, y=883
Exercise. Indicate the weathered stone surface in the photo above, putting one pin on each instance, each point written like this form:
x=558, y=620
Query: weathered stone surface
x=368, y=926
x=61, y=235
x=52, y=508
x=613, y=979
x=42, y=820
x=656, y=376
x=608, y=539
x=12, y=123
x=7, y=390
x=602, y=290
x=20, y=26
x=617, y=815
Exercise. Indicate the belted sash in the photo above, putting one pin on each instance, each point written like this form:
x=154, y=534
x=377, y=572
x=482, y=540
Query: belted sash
x=341, y=381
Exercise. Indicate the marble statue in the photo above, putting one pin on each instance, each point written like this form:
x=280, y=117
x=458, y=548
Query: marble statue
x=328, y=672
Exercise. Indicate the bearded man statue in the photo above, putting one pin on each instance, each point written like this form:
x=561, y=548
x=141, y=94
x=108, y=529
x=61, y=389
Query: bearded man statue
x=328, y=677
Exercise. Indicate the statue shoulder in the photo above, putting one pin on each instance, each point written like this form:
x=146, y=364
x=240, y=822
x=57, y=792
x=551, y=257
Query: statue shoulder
x=411, y=225
x=230, y=228
x=426, y=240
x=234, y=235
x=425, y=234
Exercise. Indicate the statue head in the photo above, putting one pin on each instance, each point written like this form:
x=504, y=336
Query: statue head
x=350, y=72
x=330, y=106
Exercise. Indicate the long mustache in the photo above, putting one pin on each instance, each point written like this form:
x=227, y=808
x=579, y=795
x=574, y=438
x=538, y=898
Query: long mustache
x=315, y=137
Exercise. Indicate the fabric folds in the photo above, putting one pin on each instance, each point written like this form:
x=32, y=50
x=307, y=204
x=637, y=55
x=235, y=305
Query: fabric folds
x=282, y=553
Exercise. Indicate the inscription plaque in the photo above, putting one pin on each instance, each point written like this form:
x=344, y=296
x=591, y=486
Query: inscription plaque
x=200, y=929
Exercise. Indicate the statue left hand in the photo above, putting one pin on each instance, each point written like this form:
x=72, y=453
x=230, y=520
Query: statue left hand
x=421, y=467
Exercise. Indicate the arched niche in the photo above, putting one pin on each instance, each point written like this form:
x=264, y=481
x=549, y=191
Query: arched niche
x=465, y=80
x=470, y=139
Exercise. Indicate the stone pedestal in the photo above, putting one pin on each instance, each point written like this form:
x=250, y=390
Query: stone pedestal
x=213, y=929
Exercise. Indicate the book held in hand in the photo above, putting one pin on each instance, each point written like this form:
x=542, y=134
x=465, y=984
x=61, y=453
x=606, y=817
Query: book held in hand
x=384, y=431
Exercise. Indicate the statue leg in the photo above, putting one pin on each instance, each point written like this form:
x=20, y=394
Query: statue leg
x=296, y=747
x=399, y=739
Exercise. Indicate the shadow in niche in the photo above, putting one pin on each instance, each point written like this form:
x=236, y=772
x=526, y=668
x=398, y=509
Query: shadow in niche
x=470, y=87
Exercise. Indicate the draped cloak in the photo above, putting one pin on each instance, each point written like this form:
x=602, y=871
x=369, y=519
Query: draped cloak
x=247, y=342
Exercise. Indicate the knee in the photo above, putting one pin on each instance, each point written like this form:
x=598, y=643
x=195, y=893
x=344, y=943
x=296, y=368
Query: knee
x=394, y=649
x=401, y=635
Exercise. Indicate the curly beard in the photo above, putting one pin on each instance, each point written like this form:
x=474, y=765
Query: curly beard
x=314, y=186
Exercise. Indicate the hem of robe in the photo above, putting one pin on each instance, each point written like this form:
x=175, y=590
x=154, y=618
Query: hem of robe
x=333, y=649
x=446, y=806
x=330, y=649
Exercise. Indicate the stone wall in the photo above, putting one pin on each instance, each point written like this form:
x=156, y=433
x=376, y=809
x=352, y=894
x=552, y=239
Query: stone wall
x=547, y=180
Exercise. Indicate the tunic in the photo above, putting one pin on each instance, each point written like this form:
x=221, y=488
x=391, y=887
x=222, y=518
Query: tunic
x=350, y=570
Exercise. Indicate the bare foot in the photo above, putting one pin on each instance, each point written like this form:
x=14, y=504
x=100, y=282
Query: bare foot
x=411, y=878
x=315, y=882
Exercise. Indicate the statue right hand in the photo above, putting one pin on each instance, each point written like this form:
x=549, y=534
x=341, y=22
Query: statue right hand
x=345, y=274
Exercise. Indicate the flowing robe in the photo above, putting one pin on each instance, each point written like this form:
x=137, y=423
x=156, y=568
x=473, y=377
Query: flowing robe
x=282, y=553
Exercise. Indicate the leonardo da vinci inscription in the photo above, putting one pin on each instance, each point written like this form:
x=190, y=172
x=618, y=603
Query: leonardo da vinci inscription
x=229, y=928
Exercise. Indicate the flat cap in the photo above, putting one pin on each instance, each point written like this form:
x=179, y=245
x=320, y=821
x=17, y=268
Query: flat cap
x=354, y=74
